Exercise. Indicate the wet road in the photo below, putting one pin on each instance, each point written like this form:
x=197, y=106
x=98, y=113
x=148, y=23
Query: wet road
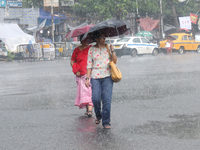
x=154, y=107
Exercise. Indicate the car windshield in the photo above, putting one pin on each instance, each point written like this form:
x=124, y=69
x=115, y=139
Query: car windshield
x=118, y=40
x=109, y=41
x=123, y=40
x=144, y=40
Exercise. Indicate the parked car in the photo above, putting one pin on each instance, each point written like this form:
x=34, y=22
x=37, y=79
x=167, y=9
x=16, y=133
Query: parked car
x=134, y=46
x=182, y=42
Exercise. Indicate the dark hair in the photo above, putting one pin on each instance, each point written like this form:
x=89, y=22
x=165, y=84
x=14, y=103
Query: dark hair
x=97, y=34
x=81, y=37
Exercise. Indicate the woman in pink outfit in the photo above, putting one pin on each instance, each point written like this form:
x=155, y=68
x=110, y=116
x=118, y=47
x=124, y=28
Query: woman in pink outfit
x=79, y=68
x=171, y=44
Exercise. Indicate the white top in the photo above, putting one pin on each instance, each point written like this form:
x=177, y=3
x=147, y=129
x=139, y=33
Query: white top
x=98, y=60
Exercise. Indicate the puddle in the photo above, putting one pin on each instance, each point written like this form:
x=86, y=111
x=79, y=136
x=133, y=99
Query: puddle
x=184, y=127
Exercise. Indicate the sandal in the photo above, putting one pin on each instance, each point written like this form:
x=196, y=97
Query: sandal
x=89, y=114
x=86, y=113
x=97, y=121
x=107, y=127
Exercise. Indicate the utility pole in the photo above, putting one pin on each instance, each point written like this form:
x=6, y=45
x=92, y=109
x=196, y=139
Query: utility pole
x=161, y=19
x=6, y=10
x=137, y=15
x=52, y=23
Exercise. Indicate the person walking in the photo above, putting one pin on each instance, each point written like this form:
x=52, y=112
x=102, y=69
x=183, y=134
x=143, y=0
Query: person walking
x=79, y=68
x=169, y=45
x=102, y=85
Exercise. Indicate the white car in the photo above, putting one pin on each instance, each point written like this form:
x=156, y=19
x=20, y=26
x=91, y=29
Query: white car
x=111, y=41
x=135, y=46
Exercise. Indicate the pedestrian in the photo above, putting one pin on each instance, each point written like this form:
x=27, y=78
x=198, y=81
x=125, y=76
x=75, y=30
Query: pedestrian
x=102, y=84
x=79, y=68
x=169, y=45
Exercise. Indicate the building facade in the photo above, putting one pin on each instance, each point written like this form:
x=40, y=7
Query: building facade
x=26, y=17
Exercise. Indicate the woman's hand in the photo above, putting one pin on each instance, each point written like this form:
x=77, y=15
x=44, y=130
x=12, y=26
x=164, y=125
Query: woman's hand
x=78, y=74
x=112, y=48
x=87, y=83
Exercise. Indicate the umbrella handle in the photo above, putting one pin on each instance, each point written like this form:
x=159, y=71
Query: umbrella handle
x=117, y=31
x=109, y=39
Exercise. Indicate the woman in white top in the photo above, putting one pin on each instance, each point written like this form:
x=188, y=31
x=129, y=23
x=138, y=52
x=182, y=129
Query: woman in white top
x=99, y=70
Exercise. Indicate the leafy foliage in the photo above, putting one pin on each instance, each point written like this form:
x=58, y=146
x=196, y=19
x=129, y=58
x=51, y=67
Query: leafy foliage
x=103, y=9
x=10, y=56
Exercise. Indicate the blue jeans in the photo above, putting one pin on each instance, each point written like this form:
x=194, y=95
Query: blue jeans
x=102, y=91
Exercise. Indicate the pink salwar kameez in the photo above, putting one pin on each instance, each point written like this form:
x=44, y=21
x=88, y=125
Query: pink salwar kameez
x=84, y=94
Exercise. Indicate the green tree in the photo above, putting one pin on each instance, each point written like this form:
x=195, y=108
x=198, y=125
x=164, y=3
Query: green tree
x=10, y=56
x=172, y=9
x=103, y=9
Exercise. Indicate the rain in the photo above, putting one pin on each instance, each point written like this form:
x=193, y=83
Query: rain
x=154, y=106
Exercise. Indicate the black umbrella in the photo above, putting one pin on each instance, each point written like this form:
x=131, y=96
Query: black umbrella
x=109, y=28
x=172, y=37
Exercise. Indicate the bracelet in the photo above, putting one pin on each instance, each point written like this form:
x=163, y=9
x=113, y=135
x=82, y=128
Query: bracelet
x=87, y=78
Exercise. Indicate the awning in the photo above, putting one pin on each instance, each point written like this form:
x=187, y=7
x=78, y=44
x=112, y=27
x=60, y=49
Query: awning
x=12, y=36
x=148, y=24
x=57, y=18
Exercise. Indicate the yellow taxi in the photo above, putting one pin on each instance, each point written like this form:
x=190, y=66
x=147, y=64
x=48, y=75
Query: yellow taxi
x=182, y=42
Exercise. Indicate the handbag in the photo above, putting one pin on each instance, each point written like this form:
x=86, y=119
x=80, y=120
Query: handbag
x=116, y=74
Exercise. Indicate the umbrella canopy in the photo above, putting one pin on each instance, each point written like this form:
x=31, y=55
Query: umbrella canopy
x=170, y=31
x=184, y=30
x=109, y=28
x=79, y=31
x=172, y=37
x=144, y=34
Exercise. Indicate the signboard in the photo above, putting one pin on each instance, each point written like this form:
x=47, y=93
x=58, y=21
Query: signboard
x=67, y=3
x=2, y=3
x=60, y=50
x=14, y=3
x=185, y=22
x=47, y=3
x=193, y=18
x=48, y=47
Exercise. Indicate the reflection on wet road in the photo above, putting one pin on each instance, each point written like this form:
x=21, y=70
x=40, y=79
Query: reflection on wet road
x=155, y=106
x=185, y=127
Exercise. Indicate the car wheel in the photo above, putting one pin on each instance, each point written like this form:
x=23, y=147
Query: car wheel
x=155, y=52
x=133, y=53
x=181, y=50
x=198, y=49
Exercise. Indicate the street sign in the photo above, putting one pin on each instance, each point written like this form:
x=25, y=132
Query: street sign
x=14, y=3
x=2, y=3
x=67, y=3
x=47, y=3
